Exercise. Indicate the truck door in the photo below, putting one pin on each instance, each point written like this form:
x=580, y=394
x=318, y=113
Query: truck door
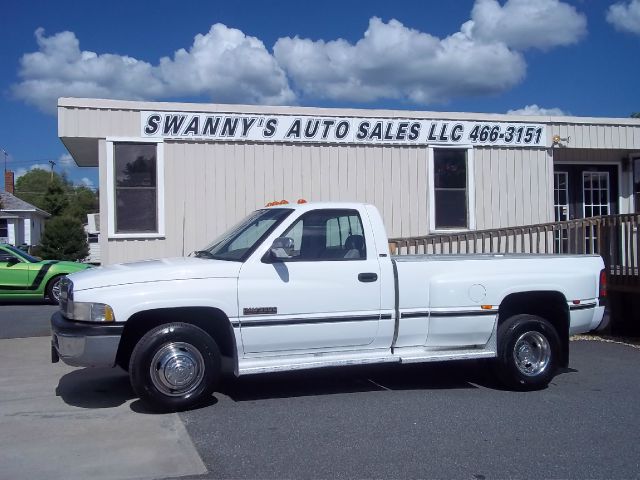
x=324, y=294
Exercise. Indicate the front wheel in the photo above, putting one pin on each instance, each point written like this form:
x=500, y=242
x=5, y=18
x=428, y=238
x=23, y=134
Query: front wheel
x=528, y=349
x=174, y=367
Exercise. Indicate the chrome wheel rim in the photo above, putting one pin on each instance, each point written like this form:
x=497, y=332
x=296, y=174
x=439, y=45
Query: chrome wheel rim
x=55, y=289
x=532, y=353
x=177, y=369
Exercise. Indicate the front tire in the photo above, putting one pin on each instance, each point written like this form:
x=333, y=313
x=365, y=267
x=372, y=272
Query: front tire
x=528, y=352
x=174, y=367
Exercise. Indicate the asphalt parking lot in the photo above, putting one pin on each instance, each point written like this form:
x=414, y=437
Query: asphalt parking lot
x=429, y=421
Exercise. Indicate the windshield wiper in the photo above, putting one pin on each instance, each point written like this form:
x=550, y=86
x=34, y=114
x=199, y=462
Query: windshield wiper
x=204, y=254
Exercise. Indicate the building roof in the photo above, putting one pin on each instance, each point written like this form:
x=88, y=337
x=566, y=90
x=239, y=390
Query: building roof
x=137, y=105
x=11, y=203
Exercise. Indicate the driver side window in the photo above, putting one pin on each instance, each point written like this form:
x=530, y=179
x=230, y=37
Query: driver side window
x=327, y=235
x=6, y=257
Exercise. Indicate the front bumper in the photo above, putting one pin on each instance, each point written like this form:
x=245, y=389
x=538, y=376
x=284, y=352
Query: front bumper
x=84, y=344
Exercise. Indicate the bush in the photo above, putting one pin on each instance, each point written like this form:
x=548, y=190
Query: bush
x=64, y=239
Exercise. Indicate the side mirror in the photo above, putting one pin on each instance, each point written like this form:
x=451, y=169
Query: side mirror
x=280, y=249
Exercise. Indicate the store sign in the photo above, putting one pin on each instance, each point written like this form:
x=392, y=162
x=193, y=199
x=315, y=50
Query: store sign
x=379, y=131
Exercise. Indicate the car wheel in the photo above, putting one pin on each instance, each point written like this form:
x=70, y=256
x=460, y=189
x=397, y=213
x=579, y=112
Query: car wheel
x=53, y=289
x=528, y=349
x=174, y=367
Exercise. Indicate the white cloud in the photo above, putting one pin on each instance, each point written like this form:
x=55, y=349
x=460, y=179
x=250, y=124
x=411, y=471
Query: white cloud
x=395, y=62
x=66, y=161
x=87, y=182
x=536, y=110
x=625, y=16
x=391, y=61
x=229, y=66
x=224, y=64
x=523, y=24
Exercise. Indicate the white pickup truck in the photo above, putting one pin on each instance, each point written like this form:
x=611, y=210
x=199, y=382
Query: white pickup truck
x=314, y=285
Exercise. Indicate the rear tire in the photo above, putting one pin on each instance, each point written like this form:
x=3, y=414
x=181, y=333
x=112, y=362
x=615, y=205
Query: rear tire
x=53, y=290
x=174, y=367
x=528, y=352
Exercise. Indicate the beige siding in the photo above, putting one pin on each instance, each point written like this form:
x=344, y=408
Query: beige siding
x=210, y=186
x=513, y=187
x=91, y=123
x=597, y=136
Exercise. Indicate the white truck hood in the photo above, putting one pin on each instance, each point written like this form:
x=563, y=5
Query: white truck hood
x=179, y=268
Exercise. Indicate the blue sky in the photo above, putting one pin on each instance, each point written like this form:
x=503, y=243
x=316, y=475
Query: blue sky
x=580, y=57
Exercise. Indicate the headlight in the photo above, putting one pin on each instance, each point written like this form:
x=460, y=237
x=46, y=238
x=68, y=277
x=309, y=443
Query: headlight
x=82, y=311
x=90, y=312
x=66, y=293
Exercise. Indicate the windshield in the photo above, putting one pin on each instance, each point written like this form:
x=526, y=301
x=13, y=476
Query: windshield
x=239, y=242
x=21, y=254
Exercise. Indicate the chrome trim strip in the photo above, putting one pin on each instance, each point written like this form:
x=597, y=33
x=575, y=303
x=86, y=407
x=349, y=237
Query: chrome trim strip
x=463, y=313
x=414, y=314
x=449, y=313
x=308, y=321
x=582, y=307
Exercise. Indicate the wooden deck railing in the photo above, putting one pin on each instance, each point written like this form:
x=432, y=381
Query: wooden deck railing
x=614, y=237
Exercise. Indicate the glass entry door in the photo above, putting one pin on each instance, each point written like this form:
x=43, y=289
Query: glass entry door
x=596, y=191
x=561, y=195
x=561, y=208
x=583, y=191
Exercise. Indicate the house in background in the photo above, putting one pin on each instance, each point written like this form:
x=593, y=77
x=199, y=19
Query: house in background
x=92, y=230
x=20, y=222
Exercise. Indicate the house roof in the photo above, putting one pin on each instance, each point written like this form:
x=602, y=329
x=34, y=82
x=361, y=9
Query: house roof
x=11, y=203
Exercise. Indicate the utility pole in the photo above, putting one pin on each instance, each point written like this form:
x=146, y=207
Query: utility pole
x=52, y=163
x=5, y=159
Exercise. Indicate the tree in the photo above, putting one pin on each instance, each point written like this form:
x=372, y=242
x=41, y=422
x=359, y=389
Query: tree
x=55, y=198
x=635, y=115
x=82, y=200
x=56, y=195
x=64, y=239
x=32, y=186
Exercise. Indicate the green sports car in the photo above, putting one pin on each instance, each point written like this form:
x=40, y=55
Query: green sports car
x=23, y=277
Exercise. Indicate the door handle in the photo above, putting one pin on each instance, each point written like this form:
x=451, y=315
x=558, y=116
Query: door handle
x=367, y=277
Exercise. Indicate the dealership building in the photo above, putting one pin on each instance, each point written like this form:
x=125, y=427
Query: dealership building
x=173, y=176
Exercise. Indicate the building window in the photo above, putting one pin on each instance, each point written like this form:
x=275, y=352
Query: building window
x=135, y=195
x=4, y=228
x=450, y=197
